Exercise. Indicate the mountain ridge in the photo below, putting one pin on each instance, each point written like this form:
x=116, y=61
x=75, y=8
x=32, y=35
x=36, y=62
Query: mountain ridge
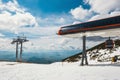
x=96, y=49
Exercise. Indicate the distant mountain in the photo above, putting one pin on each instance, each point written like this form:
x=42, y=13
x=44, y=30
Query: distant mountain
x=98, y=52
x=41, y=57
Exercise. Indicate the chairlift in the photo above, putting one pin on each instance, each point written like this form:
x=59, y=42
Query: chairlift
x=109, y=44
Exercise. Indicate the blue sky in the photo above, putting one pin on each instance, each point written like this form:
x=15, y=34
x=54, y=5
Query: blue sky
x=40, y=20
x=55, y=8
x=47, y=7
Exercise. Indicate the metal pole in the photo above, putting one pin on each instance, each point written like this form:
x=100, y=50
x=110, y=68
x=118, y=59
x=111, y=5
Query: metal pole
x=84, y=55
x=16, y=51
x=82, y=61
x=86, y=62
x=21, y=52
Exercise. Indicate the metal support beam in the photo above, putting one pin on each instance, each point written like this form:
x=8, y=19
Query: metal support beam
x=84, y=55
x=16, y=51
x=21, y=52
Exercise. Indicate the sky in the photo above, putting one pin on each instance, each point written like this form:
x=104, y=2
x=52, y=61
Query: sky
x=39, y=21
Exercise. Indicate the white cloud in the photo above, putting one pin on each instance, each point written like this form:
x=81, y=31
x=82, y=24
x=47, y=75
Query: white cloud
x=15, y=19
x=39, y=31
x=12, y=16
x=11, y=6
x=101, y=16
x=5, y=44
x=104, y=6
x=76, y=22
x=98, y=9
x=80, y=13
x=55, y=20
x=1, y=35
x=61, y=20
x=115, y=13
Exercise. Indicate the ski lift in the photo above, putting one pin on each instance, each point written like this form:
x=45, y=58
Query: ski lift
x=109, y=43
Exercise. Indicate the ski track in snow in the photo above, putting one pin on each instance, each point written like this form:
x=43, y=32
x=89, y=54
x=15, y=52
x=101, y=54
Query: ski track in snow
x=57, y=71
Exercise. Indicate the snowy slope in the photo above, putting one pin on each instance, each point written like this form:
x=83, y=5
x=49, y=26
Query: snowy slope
x=98, y=53
x=59, y=71
x=104, y=55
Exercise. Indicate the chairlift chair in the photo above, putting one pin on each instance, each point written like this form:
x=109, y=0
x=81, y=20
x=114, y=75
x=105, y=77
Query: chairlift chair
x=109, y=44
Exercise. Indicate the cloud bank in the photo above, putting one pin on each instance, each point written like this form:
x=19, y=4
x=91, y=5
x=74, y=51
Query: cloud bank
x=16, y=20
x=98, y=9
x=13, y=17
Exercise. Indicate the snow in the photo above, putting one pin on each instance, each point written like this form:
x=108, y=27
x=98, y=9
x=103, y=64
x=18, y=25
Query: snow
x=104, y=54
x=63, y=70
x=59, y=71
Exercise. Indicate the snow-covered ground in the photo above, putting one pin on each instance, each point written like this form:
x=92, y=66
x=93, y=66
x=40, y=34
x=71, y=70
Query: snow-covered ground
x=59, y=71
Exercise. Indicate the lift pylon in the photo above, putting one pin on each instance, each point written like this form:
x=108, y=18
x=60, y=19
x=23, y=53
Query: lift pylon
x=84, y=54
x=19, y=40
